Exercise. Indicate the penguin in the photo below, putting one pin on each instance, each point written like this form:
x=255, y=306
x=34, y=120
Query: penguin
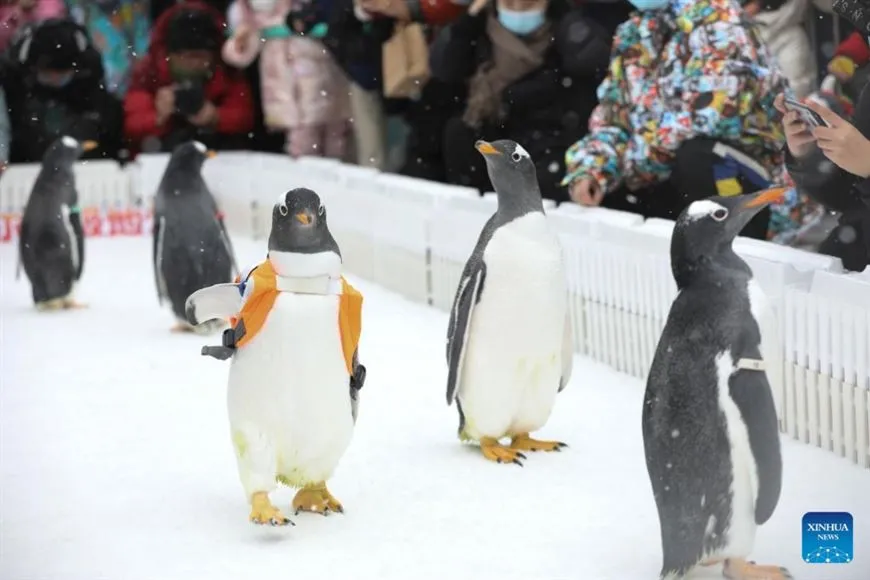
x=710, y=429
x=51, y=245
x=295, y=372
x=509, y=338
x=191, y=247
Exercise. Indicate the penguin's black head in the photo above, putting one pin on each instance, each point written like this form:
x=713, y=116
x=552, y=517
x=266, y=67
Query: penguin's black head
x=706, y=229
x=299, y=224
x=65, y=151
x=511, y=171
x=189, y=156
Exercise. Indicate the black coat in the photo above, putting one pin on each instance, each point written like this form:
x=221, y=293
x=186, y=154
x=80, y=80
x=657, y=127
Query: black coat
x=356, y=45
x=839, y=190
x=550, y=107
x=82, y=109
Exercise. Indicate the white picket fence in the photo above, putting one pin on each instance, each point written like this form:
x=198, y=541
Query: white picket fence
x=413, y=237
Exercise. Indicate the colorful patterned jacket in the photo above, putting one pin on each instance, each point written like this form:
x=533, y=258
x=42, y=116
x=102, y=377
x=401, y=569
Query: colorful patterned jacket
x=693, y=69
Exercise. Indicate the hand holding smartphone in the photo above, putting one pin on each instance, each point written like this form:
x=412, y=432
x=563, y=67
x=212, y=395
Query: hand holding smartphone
x=808, y=116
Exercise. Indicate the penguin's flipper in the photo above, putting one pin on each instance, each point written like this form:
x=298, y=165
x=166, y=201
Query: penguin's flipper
x=750, y=391
x=218, y=301
x=357, y=380
x=75, y=219
x=68, y=217
x=467, y=297
x=567, y=351
x=157, y=258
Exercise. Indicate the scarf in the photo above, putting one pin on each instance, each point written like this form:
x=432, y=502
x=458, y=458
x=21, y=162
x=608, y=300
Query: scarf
x=512, y=59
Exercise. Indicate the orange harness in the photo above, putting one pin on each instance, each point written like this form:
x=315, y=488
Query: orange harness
x=265, y=290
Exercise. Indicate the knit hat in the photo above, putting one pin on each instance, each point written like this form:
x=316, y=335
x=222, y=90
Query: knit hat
x=192, y=29
x=56, y=44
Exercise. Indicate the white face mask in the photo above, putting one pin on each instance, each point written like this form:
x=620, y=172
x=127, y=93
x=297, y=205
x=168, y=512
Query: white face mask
x=262, y=5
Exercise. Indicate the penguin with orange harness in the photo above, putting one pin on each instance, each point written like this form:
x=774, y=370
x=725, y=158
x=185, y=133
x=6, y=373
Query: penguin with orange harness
x=295, y=375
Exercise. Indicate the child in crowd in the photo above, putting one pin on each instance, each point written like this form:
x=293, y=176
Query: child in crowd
x=303, y=91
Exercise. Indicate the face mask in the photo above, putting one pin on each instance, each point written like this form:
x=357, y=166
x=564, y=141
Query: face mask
x=650, y=4
x=521, y=23
x=55, y=81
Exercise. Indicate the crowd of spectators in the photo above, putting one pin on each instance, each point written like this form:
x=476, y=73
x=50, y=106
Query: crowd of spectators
x=637, y=105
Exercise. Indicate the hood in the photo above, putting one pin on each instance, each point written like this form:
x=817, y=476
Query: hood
x=789, y=15
x=157, y=45
x=689, y=14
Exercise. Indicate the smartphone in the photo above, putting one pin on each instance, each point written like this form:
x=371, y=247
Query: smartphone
x=807, y=115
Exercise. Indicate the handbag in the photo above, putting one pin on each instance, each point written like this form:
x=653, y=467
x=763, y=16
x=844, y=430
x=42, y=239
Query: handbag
x=405, y=61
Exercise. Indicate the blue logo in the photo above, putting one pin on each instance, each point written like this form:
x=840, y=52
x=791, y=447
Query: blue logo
x=828, y=538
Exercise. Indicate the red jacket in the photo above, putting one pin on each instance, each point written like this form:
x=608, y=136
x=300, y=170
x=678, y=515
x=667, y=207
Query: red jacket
x=440, y=12
x=855, y=47
x=228, y=89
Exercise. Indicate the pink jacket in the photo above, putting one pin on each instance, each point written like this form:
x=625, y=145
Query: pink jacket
x=301, y=83
x=12, y=17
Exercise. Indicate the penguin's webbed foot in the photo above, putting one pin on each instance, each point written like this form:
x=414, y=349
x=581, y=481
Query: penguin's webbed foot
x=70, y=304
x=263, y=512
x=315, y=498
x=50, y=305
x=495, y=451
x=181, y=327
x=736, y=569
x=525, y=443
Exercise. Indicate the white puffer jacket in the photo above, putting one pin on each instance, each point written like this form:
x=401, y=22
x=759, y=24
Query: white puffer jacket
x=784, y=33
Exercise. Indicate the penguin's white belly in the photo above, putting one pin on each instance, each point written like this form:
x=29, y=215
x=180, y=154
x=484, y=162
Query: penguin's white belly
x=513, y=361
x=740, y=534
x=290, y=387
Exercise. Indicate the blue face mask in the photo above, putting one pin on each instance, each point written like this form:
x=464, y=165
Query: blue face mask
x=650, y=4
x=521, y=23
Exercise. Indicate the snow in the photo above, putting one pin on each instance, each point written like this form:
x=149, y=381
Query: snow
x=116, y=459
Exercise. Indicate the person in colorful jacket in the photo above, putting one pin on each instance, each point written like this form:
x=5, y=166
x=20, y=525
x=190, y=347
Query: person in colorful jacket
x=686, y=112
x=181, y=90
x=16, y=13
x=120, y=30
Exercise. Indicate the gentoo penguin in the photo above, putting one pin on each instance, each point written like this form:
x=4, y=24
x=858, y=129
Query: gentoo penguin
x=191, y=248
x=509, y=339
x=295, y=372
x=52, y=242
x=709, y=423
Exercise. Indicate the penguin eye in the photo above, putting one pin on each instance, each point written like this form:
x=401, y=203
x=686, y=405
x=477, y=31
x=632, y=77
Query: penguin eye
x=282, y=209
x=516, y=157
x=720, y=214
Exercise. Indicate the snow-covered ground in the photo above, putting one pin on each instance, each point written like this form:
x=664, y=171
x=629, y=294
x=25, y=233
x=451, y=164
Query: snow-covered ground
x=117, y=464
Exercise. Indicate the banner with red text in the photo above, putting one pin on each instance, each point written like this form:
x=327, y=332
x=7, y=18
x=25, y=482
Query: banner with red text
x=96, y=222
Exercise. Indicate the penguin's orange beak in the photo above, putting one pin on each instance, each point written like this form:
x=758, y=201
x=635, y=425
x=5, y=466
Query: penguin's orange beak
x=211, y=154
x=766, y=197
x=89, y=145
x=303, y=218
x=486, y=148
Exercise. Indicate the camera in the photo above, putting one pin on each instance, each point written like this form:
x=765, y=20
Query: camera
x=189, y=97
